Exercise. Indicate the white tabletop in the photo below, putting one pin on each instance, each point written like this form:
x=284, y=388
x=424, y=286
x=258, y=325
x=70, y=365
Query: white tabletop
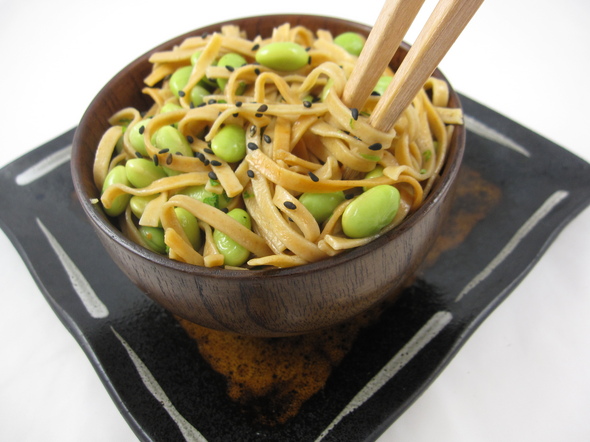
x=523, y=376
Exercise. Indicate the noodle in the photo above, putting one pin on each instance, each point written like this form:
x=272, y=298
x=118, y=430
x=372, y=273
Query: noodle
x=301, y=139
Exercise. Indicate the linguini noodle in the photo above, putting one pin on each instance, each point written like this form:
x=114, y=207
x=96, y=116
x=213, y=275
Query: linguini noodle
x=305, y=139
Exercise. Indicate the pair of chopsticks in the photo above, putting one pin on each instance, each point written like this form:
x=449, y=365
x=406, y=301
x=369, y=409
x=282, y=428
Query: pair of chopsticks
x=445, y=24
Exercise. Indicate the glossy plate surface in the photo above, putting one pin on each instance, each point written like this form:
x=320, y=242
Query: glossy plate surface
x=172, y=380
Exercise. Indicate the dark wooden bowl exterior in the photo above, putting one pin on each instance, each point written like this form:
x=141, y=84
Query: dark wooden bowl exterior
x=272, y=302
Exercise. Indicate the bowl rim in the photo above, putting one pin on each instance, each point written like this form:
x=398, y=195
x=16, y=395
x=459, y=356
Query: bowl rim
x=440, y=188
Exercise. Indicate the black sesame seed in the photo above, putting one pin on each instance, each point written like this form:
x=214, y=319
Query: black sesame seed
x=257, y=71
x=169, y=159
x=190, y=139
x=156, y=160
x=258, y=115
x=250, y=173
x=255, y=47
x=141, y=130
x=238, y=104
x=206, y=162
x=349, y=196
x=216, y=163
x=252, y=146
x=309, y=60
x=236, y=114
x=212, y=101
x=307, y=104
x=191, y=105
x=290, y=205
x=263, y=108
x=313, y=177
x=375, y=94
x=212, y=175
x=208, y=150
x=138, y=155
x=164, y=151
x=355, y=113
x=181, y=93
x=230, y=68
x=376, y=146
x=307, y=49
x=200, y=156
x=267, y=138
x=225, y=210
x=202, y=104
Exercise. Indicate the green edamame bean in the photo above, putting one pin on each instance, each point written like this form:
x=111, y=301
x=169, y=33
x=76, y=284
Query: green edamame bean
x=232, y=60
x=179, y=79
x=195, y=56
x=142, y=172
x=136, y=136
x=219, y=201
x=190, y=225
x=382, y=84
x=154, y=238
x=234, y=254
x=170, y=107
x=321, y=205
x=375, y=173
x=169, y=137
x=371, y=211
x=198, y=94
x=117, y=175
x=351, y=41
x=282, y=56
x=229, y=143
x=137, y=204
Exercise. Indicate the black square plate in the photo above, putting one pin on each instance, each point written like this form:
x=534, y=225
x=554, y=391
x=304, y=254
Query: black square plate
x=162, y=378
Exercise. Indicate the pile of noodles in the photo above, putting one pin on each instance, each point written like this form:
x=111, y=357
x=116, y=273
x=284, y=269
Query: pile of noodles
x=301, y=148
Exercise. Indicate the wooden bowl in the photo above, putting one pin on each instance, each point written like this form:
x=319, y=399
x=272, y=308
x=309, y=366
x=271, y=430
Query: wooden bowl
x=271, y=302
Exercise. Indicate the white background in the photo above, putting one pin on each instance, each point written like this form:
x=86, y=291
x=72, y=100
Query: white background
x=523, y=376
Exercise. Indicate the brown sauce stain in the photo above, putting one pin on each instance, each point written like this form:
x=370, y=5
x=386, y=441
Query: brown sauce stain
x=474, y=199
x=271, y=378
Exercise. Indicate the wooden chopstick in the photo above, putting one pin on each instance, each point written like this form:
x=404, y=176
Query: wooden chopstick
x=444, y=25
x=393, y=22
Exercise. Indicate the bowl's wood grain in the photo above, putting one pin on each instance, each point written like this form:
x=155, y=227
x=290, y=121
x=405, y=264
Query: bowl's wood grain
x=268, y=302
